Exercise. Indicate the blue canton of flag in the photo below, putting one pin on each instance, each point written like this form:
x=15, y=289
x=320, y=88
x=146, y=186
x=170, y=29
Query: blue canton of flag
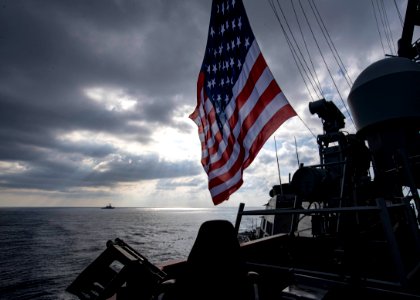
x=230, y=37
x=239, y=104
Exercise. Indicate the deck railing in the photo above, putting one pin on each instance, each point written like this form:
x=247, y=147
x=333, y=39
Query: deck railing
x=382, y=208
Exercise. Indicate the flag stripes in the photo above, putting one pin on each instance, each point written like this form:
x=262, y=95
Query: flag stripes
x=258, y=108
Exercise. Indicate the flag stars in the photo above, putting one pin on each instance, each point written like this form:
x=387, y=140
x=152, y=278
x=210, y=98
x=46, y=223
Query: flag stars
x=222, y=30
x=239, y=64
x=233, y=3
x=212, y=31
x=233, y=24
x=214, y=68
x=213, y=82
x=238, y=41
x=208, y=69
x=220, y=49
x=240, y=23
x=232, y=45
x=209, y=84
x=247, y=43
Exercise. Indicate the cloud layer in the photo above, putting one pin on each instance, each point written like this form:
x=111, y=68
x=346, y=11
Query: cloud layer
x=94, y=95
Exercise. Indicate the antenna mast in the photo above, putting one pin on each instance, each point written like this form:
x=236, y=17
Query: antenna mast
x=278, y=165
x=297, y=154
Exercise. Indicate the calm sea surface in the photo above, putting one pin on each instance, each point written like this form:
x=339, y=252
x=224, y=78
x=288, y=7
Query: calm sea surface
x=42, y=250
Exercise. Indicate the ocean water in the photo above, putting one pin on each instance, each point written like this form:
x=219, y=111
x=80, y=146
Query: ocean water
x=42, y=250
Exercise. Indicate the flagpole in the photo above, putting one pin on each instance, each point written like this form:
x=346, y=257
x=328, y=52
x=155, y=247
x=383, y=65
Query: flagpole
x=278, y=165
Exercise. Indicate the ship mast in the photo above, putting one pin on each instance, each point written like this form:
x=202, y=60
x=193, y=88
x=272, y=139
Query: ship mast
x=412, y=18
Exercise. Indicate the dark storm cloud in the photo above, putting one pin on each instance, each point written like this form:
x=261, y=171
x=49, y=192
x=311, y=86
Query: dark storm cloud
x=129, y=43
x=52, y=52
x=90, y=149
x=49, y=172
x=134, y=168
x=26, y=121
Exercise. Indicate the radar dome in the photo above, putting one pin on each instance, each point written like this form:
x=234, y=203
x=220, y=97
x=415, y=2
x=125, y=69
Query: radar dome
x=385, y=93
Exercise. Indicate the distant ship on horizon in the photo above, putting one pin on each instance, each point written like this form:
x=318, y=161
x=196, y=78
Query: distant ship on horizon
x=109, y=206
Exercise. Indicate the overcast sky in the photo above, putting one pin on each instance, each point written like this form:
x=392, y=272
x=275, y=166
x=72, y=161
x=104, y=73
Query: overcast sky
x=95, y=97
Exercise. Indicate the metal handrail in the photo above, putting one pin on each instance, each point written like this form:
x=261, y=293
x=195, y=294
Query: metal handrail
x=303, y=211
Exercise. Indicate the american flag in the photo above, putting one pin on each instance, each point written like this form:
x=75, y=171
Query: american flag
x=239, y=104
